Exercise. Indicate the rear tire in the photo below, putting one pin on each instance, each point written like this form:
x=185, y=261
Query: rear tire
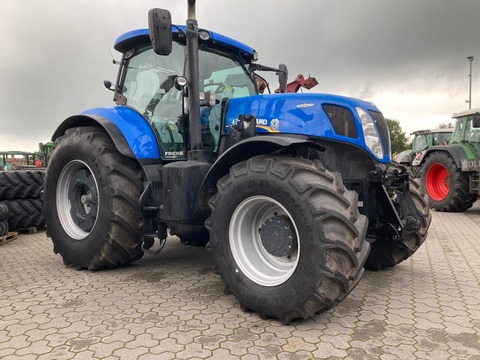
x=287, y=236
x=446, y=185
x=92, y=204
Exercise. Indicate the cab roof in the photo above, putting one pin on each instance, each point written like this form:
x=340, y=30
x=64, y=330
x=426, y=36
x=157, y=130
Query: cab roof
x=134, y=38
x=428, y=131
x=466, y=113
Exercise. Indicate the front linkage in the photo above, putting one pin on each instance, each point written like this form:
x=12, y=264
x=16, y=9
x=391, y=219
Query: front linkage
x=398, y=215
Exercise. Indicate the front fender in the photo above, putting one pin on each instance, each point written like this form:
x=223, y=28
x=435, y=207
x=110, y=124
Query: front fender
x=131, y=133
x=405, y=157
x=242, y=151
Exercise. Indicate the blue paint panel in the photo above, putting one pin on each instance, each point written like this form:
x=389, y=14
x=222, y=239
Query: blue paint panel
x=215, y=37
x=135, y=128
x=225, y=40
x=300, y=114
x=130, y=35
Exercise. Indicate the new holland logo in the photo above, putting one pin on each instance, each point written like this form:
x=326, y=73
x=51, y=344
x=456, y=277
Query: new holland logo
x=275, y=124
x=268, y=125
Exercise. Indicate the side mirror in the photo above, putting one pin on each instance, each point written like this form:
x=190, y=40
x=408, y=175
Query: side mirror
x=160, y=27
x=282, y=77
x=108, y=84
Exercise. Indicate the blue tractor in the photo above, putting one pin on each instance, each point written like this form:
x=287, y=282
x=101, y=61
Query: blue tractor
x=295, y=193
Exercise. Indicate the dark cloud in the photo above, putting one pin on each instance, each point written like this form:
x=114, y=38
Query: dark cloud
x=409, y=57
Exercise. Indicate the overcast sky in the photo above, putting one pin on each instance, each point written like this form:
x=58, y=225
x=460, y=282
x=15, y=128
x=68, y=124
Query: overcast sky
x=408, y=57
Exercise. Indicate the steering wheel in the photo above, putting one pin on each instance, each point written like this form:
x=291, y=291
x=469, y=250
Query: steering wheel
x=220, y=86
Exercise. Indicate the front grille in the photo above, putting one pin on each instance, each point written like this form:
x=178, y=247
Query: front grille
x=342, y=120
x=383, y=129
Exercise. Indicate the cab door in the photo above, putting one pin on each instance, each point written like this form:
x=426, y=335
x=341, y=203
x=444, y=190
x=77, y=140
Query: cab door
x=148, y=86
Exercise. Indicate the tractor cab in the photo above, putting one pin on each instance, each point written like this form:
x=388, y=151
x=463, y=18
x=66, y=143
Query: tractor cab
x=155, y=86
x=467, y=130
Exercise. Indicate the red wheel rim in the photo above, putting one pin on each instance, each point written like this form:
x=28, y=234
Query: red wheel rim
x=437, y=182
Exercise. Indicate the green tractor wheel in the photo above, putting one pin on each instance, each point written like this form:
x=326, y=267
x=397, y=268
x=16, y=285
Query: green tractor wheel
x=446, y=184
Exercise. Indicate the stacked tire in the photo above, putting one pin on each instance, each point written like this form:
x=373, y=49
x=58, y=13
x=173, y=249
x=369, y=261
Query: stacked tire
x=4, y=214
x=20, y=193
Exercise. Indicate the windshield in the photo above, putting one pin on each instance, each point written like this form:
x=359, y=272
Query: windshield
x=420, y=142
x=148, y=80
x=472, y=129
x=228, y=78
x=149, y=87
x=467, y=129
x=441, y=138
x=457, y=131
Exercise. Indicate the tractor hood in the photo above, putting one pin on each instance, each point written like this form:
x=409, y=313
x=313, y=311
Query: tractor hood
x=316, y=115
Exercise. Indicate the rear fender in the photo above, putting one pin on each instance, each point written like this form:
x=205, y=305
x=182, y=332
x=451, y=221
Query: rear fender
x=456, y=152
x=246, y=149
x=130, y=132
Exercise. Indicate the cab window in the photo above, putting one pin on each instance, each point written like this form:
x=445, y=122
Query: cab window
x=420, y=142
x=472, y=129
x=226, y=75
x=148, y=85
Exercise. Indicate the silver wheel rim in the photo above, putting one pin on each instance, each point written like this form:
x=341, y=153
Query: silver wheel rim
x=250, y=255
x=77, y=199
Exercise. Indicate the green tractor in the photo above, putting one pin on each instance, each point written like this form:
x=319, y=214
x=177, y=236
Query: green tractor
x=44, y=152
x=422, y=140
x=450, y=173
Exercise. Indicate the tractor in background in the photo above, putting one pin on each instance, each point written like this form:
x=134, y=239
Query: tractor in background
x=450, y=174
x=422, y=140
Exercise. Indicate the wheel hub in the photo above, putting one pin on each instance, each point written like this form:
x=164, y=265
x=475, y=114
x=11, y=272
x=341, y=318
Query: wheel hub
x=257, y=255
x=82, y=195
x=277, y=237
x=437, y=182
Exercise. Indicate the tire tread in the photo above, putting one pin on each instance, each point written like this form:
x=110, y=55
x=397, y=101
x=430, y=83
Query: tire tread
x=312, y=182
x=122, y=244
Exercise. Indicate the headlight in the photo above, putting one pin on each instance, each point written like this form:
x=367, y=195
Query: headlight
x=372, y=137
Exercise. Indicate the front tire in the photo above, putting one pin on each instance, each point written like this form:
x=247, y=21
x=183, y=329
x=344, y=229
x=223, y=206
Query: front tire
x=92, y=204
x=386, y=252
x=287, y=236
x=447, y=185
